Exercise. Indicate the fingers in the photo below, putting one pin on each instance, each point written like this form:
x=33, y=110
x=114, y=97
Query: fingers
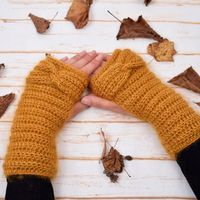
x=98, y=102
x=87, y=58
x=87, y=62
x=94, y=64
x=98, y=68
x=78, y=107
x=76, y=58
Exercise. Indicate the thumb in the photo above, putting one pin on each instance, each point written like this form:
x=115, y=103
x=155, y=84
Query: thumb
x=78, y=107
x=98, y=102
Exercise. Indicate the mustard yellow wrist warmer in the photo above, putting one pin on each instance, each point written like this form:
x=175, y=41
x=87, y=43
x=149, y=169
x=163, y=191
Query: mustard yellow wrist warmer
x=52, y=88
x=126, y=80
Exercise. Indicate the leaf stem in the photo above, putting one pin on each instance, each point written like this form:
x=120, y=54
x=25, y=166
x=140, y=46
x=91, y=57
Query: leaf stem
x=114, y=16
x=54, y=16
x=127, y=173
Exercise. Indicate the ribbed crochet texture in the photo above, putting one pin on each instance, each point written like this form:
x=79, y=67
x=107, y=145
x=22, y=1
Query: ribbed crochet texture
x=52, y=88
x=126, y=80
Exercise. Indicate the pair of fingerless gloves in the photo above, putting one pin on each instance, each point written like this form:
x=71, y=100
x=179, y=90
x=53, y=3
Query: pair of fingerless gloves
x=53, y=87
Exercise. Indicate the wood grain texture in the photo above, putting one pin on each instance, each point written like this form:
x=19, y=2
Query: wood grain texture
x=154, y=174
x=76, y=140
x=18, y=10
x=18, y=66
x=61, y=37
x=77, y=178
x=125, y=198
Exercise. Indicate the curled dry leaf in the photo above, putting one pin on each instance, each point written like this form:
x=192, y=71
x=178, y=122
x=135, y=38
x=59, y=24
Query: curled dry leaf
x=147, y=2
x=79, y=12
x=189, y=79
x=162, y=51
x=137, y=29
x=40, y=23
x=5, y=102
x=113, y=161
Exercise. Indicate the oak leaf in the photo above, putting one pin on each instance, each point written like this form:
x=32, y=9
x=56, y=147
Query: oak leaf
x=189, y=79
x=137, y=29
x=78, y=13
x=40, y=23
x=162, y=51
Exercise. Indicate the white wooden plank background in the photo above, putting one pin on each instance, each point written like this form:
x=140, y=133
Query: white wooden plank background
x=154, y=174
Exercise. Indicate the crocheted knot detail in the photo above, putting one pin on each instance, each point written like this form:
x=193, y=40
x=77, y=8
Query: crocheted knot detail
x=115, y=73
x=60, y=75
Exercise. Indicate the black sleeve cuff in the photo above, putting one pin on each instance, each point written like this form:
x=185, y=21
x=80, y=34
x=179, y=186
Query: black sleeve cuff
x=189, y=162
x=29, y=187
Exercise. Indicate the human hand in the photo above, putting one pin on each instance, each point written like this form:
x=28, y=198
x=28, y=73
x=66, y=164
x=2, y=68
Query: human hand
x=87, y=62
x=92, y=100
x=52, y=89
x=126, y=80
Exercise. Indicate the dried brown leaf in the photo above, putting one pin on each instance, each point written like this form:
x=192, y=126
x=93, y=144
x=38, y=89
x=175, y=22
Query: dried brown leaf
x=5, y=102
x=40, y=23
x=113, y=161
x=78, y=13
x=162, y=51
x=147, y=2
x=189, y=79
x=137, y=29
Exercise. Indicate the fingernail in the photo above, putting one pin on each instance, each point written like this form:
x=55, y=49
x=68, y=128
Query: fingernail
x=86, y=101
